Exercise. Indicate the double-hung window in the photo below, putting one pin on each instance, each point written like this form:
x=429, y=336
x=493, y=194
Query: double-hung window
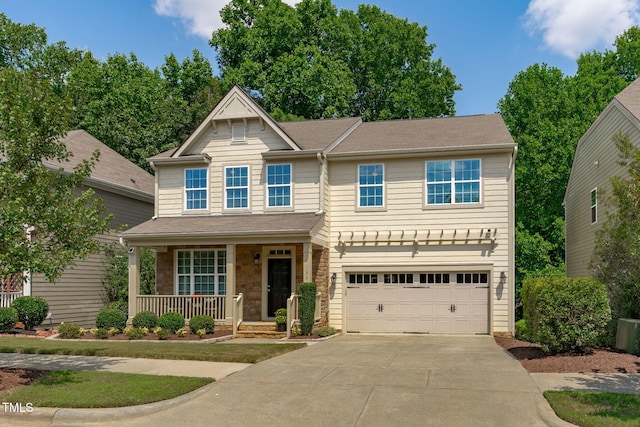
x=236, y=187
x=279, y=185
x=453, y=182
x=371, y=185
x=195, y=185
x=594, y=206
x=202, y=272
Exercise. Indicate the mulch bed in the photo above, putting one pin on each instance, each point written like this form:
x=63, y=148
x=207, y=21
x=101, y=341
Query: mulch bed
x=217, y=333
x=11, y=378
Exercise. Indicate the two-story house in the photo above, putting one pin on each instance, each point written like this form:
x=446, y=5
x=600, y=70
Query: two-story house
x=404, y=225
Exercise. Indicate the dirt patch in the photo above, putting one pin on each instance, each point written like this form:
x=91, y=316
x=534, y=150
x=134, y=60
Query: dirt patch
x=11, y=378
x=601, y=360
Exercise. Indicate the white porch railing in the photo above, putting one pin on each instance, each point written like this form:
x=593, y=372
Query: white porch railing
x=6, y=298
x=293, y=312
x=187, y=305
x=237, y=313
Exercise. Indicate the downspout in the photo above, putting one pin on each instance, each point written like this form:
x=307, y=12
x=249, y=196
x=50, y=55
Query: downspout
x=512, y=242
x=155, y=190
x=323, y=164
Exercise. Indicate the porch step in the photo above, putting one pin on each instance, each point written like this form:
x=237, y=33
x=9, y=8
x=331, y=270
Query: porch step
x=259, y=330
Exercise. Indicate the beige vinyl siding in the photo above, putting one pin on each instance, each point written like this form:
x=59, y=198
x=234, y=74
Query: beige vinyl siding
x=596, y=146
x=405, y=211
x=77, y=296
x=306, y=173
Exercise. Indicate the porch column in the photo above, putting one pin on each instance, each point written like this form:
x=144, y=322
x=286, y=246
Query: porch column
x=307, y=262
x=134, y=281
x=231, y=283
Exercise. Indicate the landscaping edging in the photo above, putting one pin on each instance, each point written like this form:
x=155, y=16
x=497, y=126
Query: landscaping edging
x=200, y=341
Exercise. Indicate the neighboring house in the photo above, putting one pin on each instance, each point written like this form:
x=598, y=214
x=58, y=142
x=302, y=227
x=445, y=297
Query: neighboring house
x=405, y=225
x=127, y=192
x=594, y=163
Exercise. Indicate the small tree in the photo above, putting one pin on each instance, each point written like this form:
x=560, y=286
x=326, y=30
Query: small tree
x=616, y=257
x=116, y=278
x=307, y=307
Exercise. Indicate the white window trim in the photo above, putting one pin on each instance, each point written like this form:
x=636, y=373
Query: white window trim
x=224, y=177
x=191, y=274
x=184, y=206
x=452, y=182
x=593, y=206
x=267, y=186
x=384, y=193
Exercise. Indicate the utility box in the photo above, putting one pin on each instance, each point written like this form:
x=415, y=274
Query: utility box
x=628, y=336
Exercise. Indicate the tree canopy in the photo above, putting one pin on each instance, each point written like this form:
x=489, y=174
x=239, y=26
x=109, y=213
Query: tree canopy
x=313, y=61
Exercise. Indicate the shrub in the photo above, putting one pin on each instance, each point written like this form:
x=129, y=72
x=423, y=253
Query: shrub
x=201, y=333
x=565, y=314
x=281, y=312
x=112, y=331
x=100, y=333
x=123, y=306
x=135, y=333
x=8, y=318
x=163, y=334
x=182, y=332
x=171, y=321
x=307, y=307
x=324, y=332
x=111, y=318
x=70, y=331
x=31, y=310
x=145, y=319
x=202, y=322
x=522, y=331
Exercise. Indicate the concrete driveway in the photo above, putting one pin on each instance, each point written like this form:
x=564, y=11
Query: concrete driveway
x=356, y=380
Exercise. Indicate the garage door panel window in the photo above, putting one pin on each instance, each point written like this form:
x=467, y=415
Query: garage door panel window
x=362, y=279
x=472, y=278
x=398, y=278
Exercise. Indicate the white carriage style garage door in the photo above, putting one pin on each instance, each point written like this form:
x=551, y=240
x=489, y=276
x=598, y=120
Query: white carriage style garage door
x=428, y=302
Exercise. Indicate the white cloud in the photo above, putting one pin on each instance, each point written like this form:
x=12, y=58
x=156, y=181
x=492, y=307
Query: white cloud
x=200, y=17
x=571, y=27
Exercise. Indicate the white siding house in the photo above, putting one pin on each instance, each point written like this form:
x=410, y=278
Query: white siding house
x=404, y=225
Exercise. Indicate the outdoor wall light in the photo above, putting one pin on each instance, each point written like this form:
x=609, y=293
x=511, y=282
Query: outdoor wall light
x=503, y=276
x=334, y=277
x=256, y=259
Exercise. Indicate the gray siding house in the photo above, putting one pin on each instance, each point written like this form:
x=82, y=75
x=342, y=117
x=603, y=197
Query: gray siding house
x=127, y=192
x=404, y=225
x=594, y=163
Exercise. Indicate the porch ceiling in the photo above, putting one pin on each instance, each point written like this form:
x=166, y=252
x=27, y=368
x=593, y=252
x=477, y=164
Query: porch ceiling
x=256, y=227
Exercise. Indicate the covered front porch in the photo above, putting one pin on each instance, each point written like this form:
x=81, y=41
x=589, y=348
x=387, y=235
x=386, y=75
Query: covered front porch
x=233, y=279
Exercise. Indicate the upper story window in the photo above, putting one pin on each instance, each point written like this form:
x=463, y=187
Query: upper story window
x=594, y=205
x=453, y=182
x=371, y=185
x=236, y=187
x=238, y=133
x=279, y=185
x=195, y=185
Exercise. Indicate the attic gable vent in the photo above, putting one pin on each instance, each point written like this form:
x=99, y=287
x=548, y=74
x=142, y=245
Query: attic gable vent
x=238, y=132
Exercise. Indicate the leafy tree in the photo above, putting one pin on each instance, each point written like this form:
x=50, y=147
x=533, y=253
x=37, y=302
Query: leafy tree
x=314, y=62
x=616, y=258
x=46, y=220
x=116, y=279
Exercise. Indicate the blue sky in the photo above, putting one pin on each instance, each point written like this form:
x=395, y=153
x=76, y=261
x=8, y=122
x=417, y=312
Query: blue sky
x=485, y=43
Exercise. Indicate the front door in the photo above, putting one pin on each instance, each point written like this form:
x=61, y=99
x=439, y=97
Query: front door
x=279, y=284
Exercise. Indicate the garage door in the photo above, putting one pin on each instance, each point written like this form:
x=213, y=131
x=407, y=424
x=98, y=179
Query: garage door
x=430, y=302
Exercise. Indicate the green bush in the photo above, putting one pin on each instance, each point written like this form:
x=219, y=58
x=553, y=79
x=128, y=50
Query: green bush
x=70, y=331
x=201, y=322
x=565, y=314
x=171, y=321
x=111, y=318
x=123, y=306
x=145, y=319
x=8, y=319
x=522, y=331
x=100, y=333
x=135, y=333
x=163, y=334
x=324, y=332
x=307, y=307
x=31, y=310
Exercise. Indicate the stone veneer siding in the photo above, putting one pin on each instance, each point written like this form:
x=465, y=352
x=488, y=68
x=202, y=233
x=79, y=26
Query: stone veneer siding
x=249, y=280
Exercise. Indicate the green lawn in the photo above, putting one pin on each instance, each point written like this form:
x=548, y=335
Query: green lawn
x=596, y=409
x=87, y=389
x=216, y=352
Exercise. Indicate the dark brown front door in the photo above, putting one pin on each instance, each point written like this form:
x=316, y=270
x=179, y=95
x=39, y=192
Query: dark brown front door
x=279, y=284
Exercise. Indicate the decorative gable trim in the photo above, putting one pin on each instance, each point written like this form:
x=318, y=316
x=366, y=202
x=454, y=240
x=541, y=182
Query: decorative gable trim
x=235, y=105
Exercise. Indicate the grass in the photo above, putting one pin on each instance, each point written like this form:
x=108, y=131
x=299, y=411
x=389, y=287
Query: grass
x=88, y=389
x=215, y=352
x=596, y=409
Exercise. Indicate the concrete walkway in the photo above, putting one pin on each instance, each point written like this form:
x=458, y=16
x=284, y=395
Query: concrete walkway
x=351, y=380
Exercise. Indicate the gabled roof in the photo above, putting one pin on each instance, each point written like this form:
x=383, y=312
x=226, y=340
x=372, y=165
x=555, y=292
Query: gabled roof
x=629, y=98
x=235, y=105
x=112, y=170
x=481, y=131
x=319, y=134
